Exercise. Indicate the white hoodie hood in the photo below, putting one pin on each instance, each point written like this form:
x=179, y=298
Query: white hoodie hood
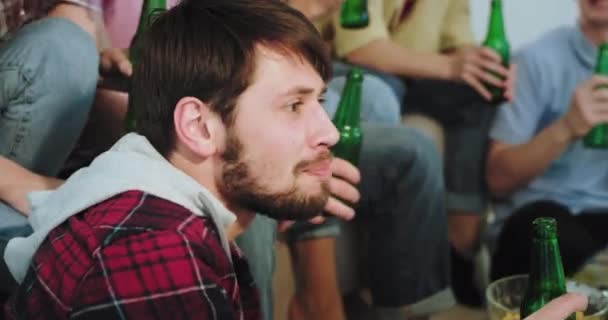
x=131, y=164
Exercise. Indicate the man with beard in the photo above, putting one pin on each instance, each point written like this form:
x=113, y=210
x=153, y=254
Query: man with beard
x=229, y=122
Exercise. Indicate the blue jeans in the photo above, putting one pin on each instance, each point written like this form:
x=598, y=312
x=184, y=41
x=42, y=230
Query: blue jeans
x=403, y=211
x=48, y=77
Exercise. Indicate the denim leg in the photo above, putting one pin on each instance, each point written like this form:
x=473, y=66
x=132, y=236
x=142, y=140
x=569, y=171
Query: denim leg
x=341, y=68
x=257, y=243
x=48, y=77
x=403, y=209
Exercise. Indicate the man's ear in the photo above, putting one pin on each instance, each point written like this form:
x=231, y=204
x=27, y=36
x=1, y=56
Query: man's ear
x=196, y=126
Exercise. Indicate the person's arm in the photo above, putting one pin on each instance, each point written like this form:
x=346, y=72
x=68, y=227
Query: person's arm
x=18, y=181
x=561, y=308
x=372, y=47
x=397, y=59
x=510, y=166
x=387, y=56
x=314, y=9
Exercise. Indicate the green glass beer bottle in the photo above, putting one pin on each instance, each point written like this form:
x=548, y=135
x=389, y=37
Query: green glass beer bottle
x=597, y=137
x=546, y=279
x=347, y=118
x=354, y=14
x=496, y=39
x=150, y=10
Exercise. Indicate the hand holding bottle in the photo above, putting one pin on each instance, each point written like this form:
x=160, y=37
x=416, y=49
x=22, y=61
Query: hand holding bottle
x=477, y=66
x=560, y=308
x=343, y=191
x=115, y=62
x=587, y=108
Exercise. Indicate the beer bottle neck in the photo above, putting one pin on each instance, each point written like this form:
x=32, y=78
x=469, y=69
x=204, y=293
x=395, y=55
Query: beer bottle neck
x=349, y=108
x=546, y=273
x=497, y=26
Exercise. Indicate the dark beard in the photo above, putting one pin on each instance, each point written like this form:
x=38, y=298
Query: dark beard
x=239, y=186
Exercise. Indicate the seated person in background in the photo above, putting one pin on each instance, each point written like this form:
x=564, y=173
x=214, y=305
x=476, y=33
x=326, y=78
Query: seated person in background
x=537, y=162
x=430, y=45
x=171, y=198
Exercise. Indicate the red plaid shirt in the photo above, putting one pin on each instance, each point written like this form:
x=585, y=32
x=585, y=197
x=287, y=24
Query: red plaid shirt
x=136, y=256
x=14, y=13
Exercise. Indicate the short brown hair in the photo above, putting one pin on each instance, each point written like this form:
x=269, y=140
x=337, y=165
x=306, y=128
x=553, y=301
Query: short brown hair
x=206, y=49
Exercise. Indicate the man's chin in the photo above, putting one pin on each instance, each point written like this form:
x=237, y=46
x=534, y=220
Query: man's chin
x=291, y=215
x=302, y=209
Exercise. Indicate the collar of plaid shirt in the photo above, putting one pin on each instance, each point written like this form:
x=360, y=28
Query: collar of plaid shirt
x=15, y=13
x=131, y=164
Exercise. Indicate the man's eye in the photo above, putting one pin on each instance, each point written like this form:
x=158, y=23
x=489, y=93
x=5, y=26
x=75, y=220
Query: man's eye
x=321, y=100
x=295, y=106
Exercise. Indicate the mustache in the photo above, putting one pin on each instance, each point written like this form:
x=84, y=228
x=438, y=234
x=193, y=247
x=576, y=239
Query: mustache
x=322, y=157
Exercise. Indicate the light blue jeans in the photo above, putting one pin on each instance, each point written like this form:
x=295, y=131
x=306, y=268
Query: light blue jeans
x=48, y=77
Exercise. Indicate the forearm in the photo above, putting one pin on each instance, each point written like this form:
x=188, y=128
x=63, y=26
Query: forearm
x=17, y=181
x=386, y=56
x=511, y=167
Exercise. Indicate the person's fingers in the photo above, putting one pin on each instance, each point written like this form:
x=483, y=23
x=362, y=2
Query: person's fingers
x=561, y=307
x=489, y=54
x=510, y=83
x=126, y=68
x=486, y=76
x=335, y=207
x=596, y=82
x=477, y=86
x=284, y=225
x=114, y=61
x=317, y=220
x=345, y=170
x=344, y=190
x=599, y=96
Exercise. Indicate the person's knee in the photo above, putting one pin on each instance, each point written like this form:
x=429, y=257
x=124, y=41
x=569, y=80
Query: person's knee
x=74, y=60
x=401, y=153
x=67, y=64
x=420, y=155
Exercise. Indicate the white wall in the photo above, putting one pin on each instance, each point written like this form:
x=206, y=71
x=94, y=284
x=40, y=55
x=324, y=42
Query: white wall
x=525, y=20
